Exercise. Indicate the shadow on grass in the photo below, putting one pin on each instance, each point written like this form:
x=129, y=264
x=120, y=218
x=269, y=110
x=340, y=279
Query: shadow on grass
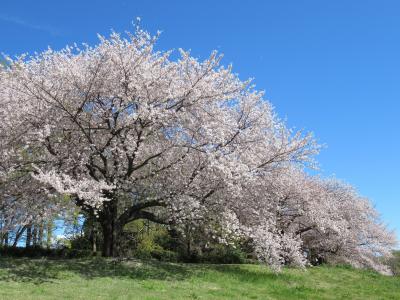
x=259, y=274
x=39, y=271
x=45, y=270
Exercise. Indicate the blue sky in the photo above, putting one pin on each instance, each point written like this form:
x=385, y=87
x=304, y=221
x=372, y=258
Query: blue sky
x=331, y=67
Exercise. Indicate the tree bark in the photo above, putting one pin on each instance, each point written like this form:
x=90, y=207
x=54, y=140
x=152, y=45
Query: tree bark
x=1, y=233
x=34, y=235
x=40, y=234
x=107, y=250
x=111, y=232
x=18, y=235
x=28, y=236
x=5, y=237
x=111, y=229
x=49, y=233
x=94, y=239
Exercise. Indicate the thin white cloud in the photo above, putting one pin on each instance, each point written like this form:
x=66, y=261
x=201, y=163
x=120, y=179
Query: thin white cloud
x=23, y=23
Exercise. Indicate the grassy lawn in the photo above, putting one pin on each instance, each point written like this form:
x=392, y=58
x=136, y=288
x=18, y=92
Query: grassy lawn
x=107, y=279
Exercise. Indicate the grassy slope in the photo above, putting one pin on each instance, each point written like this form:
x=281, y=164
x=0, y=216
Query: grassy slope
x=104, y=279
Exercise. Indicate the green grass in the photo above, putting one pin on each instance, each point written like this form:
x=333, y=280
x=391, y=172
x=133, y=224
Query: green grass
x=107, y=279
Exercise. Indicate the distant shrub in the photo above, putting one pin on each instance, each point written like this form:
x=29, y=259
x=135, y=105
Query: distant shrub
x=80, y=242
x=223, y=254
x=145, y=240
x=145, y=247
x=37, y=252
x=165, y=255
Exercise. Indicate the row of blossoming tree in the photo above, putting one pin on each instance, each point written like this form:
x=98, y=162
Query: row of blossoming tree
x=124, y=132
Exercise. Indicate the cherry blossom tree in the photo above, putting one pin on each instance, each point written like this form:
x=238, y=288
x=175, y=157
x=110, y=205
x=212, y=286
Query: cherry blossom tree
x=125, y=132
x=122, y=121
x=326, y=220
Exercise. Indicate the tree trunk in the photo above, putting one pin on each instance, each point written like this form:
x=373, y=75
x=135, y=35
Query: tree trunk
x=111, y=229
x=94, y=240
x=18, y=235
x=93, y=234
x=34, y=235
x=28, y=236
x=107, y=239
x=1, y=233
x=111, y=232
x=49, y=233
x=5, y=237
x=40, y=235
